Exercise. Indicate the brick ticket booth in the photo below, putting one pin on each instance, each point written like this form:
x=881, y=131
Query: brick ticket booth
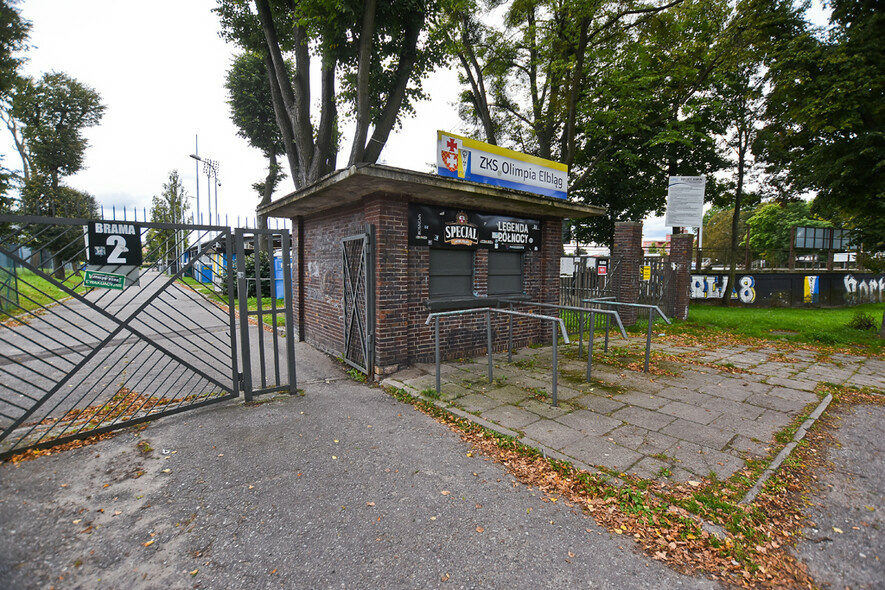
x=376, y=249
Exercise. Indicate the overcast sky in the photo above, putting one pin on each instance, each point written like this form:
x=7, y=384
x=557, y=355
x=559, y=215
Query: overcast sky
x=160, y=67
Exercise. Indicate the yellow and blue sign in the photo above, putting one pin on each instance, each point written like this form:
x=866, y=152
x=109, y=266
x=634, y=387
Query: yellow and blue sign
x=812, y=288
x=476, y=161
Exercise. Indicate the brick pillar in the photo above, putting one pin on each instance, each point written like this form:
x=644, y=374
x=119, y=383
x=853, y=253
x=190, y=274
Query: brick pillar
x=627, y=257
x=551, y=249
x=680, y=279
x=390, y=218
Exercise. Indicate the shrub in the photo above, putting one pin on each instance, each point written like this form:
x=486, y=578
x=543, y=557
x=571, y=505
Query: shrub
x=862, y=321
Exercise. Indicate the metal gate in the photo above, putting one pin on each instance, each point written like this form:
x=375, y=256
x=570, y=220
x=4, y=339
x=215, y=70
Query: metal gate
x=264, y=274
x=359, y=300
x=146, y=328
x=653, y=286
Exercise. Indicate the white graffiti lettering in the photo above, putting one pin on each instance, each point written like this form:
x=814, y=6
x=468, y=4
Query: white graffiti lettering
x=864, y=291
x=713, y=287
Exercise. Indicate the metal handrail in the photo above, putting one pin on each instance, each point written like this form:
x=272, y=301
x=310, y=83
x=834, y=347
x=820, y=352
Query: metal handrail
x=557, y=322
x=581, y=311
x=651, y=318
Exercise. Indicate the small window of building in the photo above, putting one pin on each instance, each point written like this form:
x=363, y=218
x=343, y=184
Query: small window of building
x=505, y=273
x=451, y=273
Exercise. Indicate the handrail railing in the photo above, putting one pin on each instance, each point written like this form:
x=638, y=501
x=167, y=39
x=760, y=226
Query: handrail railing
x=579, y=310
x=557, y=322
x=651, y=318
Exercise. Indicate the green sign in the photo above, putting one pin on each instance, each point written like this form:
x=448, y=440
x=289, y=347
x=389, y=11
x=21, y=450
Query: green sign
x=105, y=280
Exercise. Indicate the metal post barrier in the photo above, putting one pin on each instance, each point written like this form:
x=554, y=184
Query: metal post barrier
x=652, y=310
x=436, y=330
x=581, y=333
x=510, y=337
x=489, y=340
x=651, y=319
x=605, y=350
x=555, y=361
x=590, y=344
x=488, y=311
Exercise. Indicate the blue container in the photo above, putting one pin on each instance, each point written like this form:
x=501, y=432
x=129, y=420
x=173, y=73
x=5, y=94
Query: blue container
x=278, y=277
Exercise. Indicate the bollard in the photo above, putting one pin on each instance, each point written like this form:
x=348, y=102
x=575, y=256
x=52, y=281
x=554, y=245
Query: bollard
x=489, y=340
x=436, y=330
x=651, y=319
x=590, y=345
x=555, y=361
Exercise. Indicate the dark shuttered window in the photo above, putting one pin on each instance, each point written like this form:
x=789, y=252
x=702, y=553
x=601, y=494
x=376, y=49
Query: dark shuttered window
x=505, y=273
x=451, y=273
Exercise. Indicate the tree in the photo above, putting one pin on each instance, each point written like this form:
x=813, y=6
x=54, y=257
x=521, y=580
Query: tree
x=251, y=104
x=827, y=118
x=64, y=245
x=771, y=226
x=171, y=206
x=615, y=90
x=14, y=32
x=379, y=52
x=51, y=115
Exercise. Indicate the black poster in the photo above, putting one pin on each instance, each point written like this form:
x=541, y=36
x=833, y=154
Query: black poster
x=458, y=228
x=112, y=243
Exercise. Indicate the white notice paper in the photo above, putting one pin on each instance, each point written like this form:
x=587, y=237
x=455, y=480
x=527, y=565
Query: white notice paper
x=685, y=201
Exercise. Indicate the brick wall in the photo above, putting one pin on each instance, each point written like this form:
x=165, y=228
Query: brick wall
x=627, y=256
x=401, y=288
x=680, y=281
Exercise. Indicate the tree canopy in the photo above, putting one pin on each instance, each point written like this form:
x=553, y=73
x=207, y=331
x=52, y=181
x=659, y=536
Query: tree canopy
x=372, y=59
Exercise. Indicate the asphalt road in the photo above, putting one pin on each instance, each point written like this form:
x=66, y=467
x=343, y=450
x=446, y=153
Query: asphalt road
x=845, y=548
x=342, y=488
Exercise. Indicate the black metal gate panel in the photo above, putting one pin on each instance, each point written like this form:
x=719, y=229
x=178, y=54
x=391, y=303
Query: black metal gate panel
x=359, y=300
x=86, y=349
x=264, y=275
x=654, y=282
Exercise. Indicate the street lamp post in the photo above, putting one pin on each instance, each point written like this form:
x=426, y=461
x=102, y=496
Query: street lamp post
x=210, y=168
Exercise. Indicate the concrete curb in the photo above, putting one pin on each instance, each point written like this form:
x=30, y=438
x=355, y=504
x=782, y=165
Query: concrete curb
x=785, y=452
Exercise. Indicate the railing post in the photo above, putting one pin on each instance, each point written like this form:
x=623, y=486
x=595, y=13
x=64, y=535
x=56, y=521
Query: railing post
x=510, y=336
x=581, y=335
x=651, y=319
x=555, y=361
x=436, y=330
x=607, y=318
x=590, y=345
x=489, y=340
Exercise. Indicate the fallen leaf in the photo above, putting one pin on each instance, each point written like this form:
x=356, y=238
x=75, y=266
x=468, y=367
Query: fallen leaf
x=167, y=471
x=194, y=573
x=251, y=486
x=221, y=454
x=469, y=454
x=149, y=543
x=837, y=529
x=479, y=529
x=570, y=554
x=445, y=492
x=117, y=512
x=444, y=578
x=693, y=483
x=370, y=503
x=77, y=521
x=334, y=457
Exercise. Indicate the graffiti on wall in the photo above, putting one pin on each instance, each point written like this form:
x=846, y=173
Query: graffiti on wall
x=713, y=287
x=865, y=290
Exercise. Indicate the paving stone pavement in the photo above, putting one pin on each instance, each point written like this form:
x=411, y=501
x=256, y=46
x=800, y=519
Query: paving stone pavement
x=712, y=410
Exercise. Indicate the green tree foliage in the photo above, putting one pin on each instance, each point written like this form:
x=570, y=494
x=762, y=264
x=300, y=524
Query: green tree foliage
x=251, y=104
x=52, y=113
x=772, y=223
x=171, y=206
x=826, y=130
x=377, y=53
x=14, y=32
x=63, y=242
x=616, y=90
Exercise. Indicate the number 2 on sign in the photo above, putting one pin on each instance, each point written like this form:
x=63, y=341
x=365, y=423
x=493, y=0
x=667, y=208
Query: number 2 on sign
x=119, y=247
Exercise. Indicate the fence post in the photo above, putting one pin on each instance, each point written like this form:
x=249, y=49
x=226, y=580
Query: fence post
x=489, y=340
x=436, y=330
x=651, y=320
x=590, y=344
x=555, y=361
x=510, y=336
x=606, y=334
x=581, y=334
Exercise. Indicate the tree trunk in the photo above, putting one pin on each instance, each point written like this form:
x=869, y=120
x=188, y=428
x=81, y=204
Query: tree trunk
x=367, y=36
x=58, y=268
x=735, y=219
x=269, y=183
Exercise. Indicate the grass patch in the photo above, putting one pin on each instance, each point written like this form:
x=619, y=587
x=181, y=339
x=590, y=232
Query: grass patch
x=207, y=291
x=806, y=326
x=35, y=292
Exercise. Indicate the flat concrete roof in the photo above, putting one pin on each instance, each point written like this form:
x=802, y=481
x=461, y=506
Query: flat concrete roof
x=349, y=186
